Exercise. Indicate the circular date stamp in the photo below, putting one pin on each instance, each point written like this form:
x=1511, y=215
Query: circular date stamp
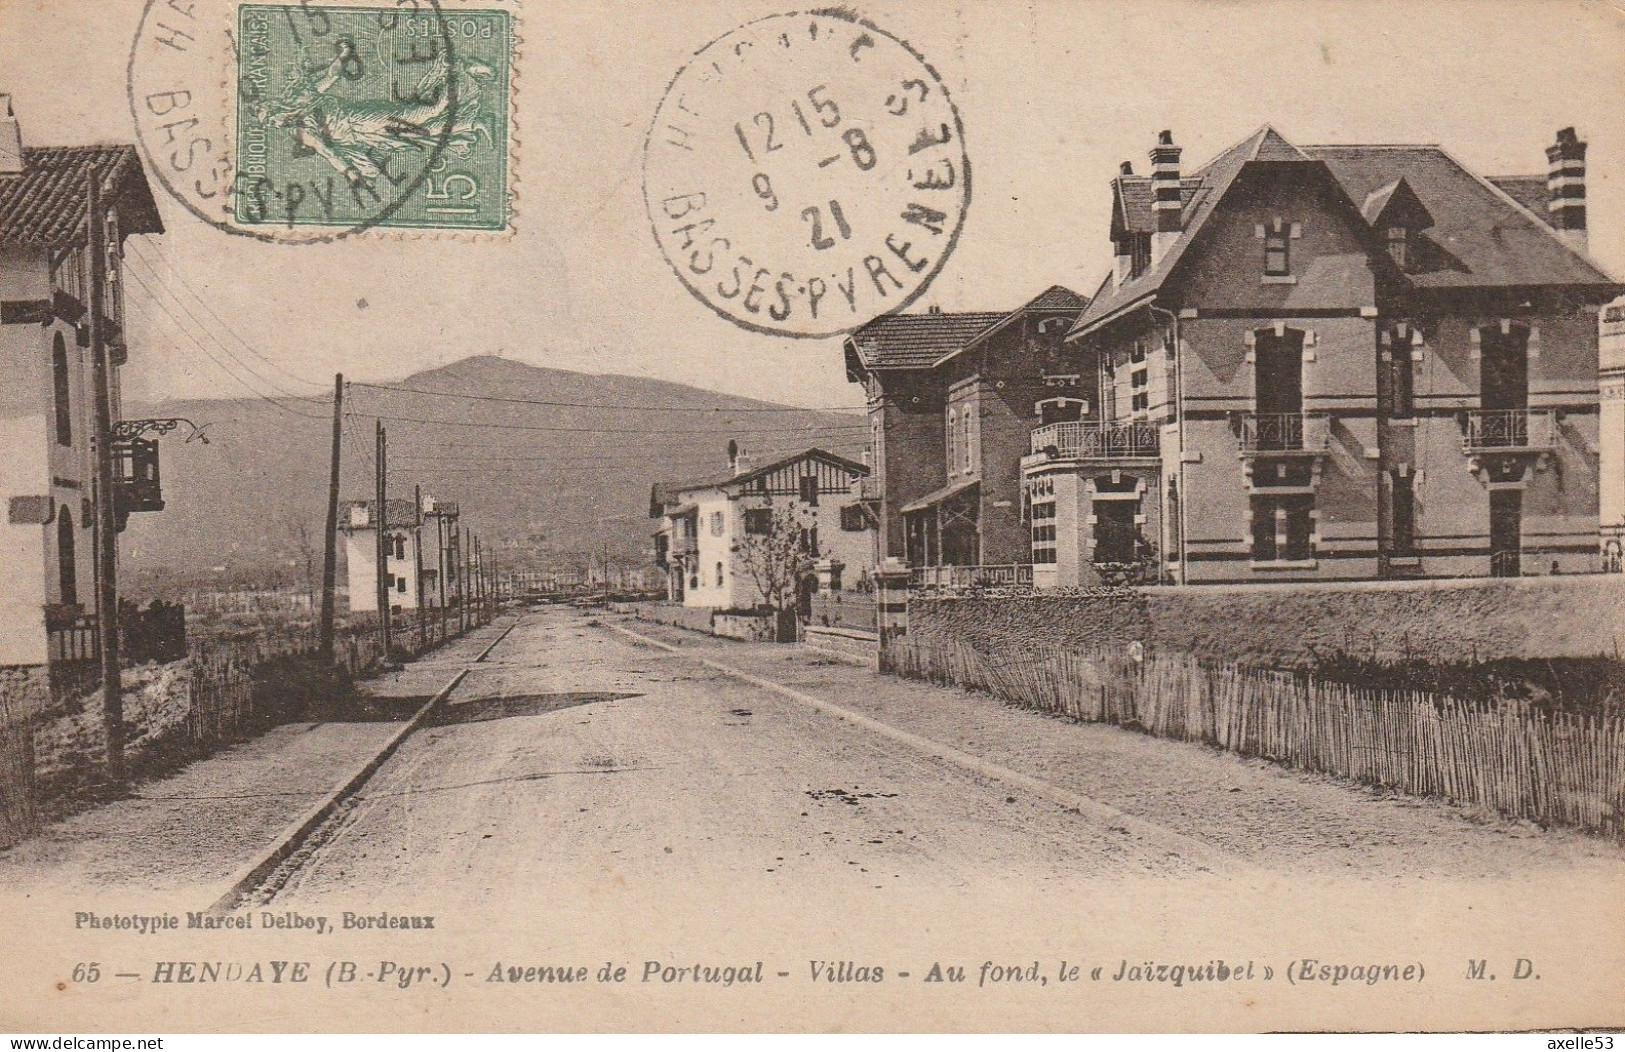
x=806, y=173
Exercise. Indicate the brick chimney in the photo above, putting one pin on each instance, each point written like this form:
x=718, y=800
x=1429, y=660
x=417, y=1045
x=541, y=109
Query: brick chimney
x=1165, y=203
x=1566, y=188
x=11, y=140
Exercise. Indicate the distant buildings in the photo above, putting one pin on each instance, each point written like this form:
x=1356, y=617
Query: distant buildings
x=706, y=525
x=47, y=470
x=1309, y=363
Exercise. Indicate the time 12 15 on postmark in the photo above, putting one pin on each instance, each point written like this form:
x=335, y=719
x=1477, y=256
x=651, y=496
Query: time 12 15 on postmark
x=806, y=173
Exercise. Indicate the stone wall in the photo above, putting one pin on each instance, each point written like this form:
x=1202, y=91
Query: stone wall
x=852, y=643
x=1289, y=625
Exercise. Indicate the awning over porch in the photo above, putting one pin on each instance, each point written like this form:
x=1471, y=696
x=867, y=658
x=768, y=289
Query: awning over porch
x=941, y=496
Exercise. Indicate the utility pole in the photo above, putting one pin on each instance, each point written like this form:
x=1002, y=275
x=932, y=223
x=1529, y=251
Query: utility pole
x=106, y=496
x=606, y=574
x=461, y=532
x=381, y=533
x=330, y=556
x=417, y=562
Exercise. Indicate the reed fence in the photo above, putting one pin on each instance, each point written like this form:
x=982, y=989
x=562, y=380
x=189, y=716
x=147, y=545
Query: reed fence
x=1518, y=759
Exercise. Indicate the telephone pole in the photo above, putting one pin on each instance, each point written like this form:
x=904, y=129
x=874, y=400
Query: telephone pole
x=331, y=537
x=106, y=496
x=381, y=533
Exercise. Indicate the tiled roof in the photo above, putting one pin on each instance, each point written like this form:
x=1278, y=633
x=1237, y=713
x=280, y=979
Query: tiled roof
x=671, y=490
x=1529, y=191
x=44, y=205
x=402, y=514
x=915, y=341
x=1134, y=197
x=1483, y=235
x=1055, y=298
x=1486, y=238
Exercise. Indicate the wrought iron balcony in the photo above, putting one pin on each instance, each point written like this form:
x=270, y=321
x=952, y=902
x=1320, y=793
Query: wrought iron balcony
x=1509, y=430
x=970, y=576
x=683, y=547
x=1080, y=441
x=1284, y=432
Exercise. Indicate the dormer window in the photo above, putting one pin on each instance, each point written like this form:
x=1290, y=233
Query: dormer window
x=1277, y=250
x=1399, y=246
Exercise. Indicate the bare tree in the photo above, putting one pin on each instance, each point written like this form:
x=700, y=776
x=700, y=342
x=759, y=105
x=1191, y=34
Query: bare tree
x=774, y=552
x=299, y=534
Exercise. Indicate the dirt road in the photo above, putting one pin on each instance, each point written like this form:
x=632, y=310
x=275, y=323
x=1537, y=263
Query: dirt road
x=610, y=762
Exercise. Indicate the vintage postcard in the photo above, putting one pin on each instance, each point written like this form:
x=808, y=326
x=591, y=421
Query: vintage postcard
x=906, y=515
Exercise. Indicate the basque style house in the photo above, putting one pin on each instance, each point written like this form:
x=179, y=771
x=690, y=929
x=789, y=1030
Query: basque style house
x=422, y=554
x=1308, y=363
x=56, y=257
x=953, y=399
x=703, y=524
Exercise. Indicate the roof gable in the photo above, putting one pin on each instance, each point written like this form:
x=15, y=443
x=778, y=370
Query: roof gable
x=671, y=492
x=1481, y=234
x=913, y=341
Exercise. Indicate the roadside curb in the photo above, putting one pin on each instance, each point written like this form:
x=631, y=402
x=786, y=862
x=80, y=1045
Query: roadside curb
x=1200, y=852
x=295, y=834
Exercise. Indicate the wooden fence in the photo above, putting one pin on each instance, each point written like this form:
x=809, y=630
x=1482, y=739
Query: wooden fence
x=1554, y=768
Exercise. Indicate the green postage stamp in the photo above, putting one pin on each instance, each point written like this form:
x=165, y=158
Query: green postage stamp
x=362, y=117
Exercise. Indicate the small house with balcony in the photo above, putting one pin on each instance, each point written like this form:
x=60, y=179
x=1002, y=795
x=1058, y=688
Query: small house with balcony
x=48, y=267
x=953, y=400
x=1329, y=363
x=815, y=499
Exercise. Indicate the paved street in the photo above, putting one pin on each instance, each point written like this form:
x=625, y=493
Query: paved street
x=610, y=762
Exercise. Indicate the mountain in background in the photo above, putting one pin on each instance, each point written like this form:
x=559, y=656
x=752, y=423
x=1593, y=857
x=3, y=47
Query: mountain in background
x=547, y=485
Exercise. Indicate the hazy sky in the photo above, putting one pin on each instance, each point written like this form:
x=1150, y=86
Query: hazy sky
x=1053, y=96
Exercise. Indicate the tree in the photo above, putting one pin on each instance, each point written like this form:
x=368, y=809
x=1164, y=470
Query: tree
x=774, y=551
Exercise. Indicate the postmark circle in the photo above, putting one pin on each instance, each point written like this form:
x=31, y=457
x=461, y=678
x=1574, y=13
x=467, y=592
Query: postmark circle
x=301, y=122
x=806, y=173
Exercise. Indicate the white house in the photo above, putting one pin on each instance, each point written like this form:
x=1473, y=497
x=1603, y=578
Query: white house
x=703, y=524
x=404, y=556
x=47, y=402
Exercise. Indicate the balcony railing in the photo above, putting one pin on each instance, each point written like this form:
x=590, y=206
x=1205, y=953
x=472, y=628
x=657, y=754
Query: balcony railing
x=1080, y=441
x=1490, y=430
x=1284, y=432
x=971, y=576
x=681, y=547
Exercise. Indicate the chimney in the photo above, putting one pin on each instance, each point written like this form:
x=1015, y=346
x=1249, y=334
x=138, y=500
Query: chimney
x=1165, y=204
x=934, y=309
x=738, y=459
x=1566, y=188
x=11, y=140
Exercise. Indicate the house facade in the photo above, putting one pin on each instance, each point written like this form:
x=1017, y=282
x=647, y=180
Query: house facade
x=704, y=524
x=407, y=560
x=48, y=260
x=953, y=399
x=1332, y=363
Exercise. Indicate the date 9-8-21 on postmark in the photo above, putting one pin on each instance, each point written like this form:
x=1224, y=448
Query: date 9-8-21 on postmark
x=356, y=116
x=805, y=173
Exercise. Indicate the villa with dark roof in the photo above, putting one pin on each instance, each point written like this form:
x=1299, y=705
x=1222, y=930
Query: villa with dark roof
x=953, y=399
x=1331, y=363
